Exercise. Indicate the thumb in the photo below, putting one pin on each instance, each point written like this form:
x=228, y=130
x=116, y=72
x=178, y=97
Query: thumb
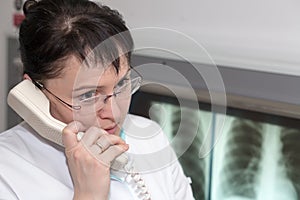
x=69, y=134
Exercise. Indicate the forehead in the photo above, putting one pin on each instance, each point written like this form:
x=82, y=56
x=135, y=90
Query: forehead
x=81, y=74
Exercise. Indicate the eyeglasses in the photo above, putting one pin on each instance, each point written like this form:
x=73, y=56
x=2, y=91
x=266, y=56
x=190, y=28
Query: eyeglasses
x=94, y=100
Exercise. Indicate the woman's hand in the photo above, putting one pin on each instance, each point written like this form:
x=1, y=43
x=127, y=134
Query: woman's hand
x=89, y=160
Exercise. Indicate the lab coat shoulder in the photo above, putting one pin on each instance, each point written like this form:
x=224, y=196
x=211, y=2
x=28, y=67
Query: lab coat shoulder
x=155, y=159
x=6, y=190
x=181, y=183
x=10, y=144
x=24, y=170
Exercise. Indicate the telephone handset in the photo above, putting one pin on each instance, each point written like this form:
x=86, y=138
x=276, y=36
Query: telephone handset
x=33, y=106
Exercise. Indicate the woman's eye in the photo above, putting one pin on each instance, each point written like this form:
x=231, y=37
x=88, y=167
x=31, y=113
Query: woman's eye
x=122, y=82
x=87, y=95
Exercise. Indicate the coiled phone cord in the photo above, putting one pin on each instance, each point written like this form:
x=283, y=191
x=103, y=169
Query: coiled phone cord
x=138, y=184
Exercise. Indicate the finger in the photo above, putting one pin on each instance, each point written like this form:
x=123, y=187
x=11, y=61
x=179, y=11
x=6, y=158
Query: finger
x=69, y=134
x=92, y=135
x=103, y=143
x=112, y=153
x=107, y=140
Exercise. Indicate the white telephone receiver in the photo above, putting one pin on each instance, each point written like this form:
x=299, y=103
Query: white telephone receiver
x=33, y=106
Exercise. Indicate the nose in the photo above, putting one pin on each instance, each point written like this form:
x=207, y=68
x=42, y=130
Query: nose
x=111, y=109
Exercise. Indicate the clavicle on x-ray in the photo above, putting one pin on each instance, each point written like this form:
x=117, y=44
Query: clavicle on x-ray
x=34, y=107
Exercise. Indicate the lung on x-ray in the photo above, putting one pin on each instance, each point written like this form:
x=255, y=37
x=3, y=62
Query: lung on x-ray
x=257, y=161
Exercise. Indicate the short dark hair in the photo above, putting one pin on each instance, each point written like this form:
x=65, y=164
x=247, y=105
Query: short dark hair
x=55, y=29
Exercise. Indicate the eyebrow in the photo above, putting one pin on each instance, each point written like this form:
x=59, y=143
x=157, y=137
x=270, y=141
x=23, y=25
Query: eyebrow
x=92, y=87
x=88, y=87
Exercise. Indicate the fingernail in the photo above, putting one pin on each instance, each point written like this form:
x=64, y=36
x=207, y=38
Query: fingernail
x=126, y=146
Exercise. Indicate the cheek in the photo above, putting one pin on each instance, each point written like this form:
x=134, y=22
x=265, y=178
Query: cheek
x=61, y=113
x=87, y=120
x=124, y=106
x=123, y=110
x=120, y=110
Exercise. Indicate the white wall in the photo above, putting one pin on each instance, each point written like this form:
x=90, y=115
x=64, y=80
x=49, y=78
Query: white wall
x=6, y=29
x=253, y=34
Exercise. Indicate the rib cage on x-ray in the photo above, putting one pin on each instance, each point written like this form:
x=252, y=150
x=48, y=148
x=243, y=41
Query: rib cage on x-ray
x=189, y=123
x=242, y=158
x=260, y=161
x=291, y=150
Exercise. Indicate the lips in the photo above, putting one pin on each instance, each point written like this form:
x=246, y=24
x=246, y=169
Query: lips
x=111, y=130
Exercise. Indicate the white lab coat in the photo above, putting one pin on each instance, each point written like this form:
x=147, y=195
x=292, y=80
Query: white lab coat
x=34, y=168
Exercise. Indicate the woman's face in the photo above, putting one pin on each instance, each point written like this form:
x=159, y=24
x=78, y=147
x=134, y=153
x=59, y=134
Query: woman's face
x=77, y=81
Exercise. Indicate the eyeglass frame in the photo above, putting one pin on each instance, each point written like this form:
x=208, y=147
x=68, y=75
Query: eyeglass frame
x=77, y=108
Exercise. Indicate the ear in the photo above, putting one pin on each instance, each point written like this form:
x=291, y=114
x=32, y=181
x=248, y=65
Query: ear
x=26, y=76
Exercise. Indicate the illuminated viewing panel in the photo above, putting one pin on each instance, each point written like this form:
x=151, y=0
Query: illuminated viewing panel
x=256, y=157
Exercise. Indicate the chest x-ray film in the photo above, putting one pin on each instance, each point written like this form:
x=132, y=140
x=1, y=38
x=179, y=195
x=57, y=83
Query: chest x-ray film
x=253, y=158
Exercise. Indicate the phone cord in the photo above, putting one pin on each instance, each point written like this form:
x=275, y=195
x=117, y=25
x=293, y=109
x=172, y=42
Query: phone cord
x=142, y=189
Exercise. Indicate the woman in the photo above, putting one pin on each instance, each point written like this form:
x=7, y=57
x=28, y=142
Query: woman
x=78, y=54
